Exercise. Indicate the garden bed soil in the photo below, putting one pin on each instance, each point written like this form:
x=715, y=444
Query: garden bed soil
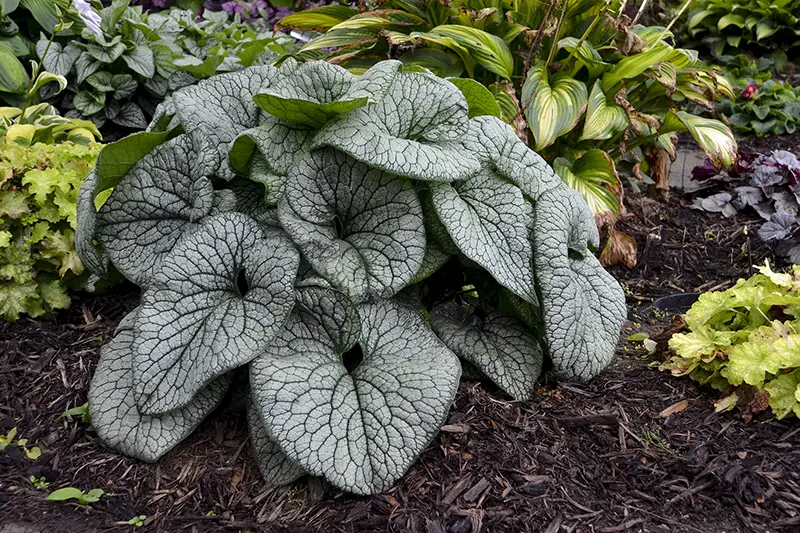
x=634, y=450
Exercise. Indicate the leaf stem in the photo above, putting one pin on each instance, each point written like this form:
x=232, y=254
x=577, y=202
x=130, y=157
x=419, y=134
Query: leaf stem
x=35, y=74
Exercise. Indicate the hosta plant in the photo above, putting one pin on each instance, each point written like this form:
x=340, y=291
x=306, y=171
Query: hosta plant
x=766, y=184
x=745, y=341
x=588, y=90
x=39, y=185
x=346, y=240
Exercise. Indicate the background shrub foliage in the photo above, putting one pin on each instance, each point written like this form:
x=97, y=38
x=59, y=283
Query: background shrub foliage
x=580, y=84
x=345, y=240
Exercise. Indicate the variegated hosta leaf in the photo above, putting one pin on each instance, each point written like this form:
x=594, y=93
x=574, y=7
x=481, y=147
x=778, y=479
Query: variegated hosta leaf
x=499, y=346
x=552, y=107
x=275, y=466
x=360, y=428
x=317, y=91
x=583, y=306
x=216, y=110
x=488, y=219
x=714, y=137
x=115, y=416
x=151, y=209
x=595, y=177
x=603, y=119
x=414, y=131
x=219, y=298
x=493, y=141
x=360, y=228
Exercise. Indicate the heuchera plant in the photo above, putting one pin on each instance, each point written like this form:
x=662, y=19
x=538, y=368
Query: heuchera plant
x=346, y=240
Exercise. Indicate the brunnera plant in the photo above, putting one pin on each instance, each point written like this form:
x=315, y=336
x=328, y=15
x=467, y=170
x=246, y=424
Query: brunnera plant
x=346, y=240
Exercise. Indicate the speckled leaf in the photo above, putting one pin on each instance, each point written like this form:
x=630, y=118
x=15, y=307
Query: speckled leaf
x=219, y=298
x=498, y=345
x=379, y=243
x=151, y=208
x=216, y=110
x=275, y=466
x=414, y=131
x=583, y=307
x=360, y=429
x=317, y=91
x=115, y=417
x=488, y=219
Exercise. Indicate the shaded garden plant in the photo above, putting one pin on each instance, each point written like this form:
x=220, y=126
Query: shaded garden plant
x=346, y=240
x=767, y=184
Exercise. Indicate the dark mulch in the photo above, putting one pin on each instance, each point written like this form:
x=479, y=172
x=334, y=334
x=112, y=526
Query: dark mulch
x=600, y=457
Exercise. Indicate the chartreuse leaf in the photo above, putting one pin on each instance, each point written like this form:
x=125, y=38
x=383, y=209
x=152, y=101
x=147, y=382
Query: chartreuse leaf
x=358, y=425
x=360, y=228
x=583, y=307
x=634, y=65
x=216, y=110
x=552, y=107
x=603, y=119
x=114, y=413
x=594, y=176
x=714, y=137
x=318, y=19
x=151, y=208
x=487, y=219
x=479, y=99
x=210, y=309
x=413, y=131
x=317, y=91
x=768, y=349
x=784, y=394
x=487, y=50
x=501, y=348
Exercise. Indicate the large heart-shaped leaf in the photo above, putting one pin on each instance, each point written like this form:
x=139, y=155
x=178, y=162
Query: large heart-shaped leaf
x=420, y=144
x=115, y=416
x=210, y=309
x=360, y=228
x=275, y=466
x=501, y=348
x=488, y=219
x=317, y=91
x=151, y=208
x=583, y=307
x=552, y=108
x=217, y=110
x=361, y=428
x=603, y=120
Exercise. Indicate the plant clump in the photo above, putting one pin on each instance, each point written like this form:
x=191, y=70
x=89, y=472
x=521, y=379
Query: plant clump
x=347, y=241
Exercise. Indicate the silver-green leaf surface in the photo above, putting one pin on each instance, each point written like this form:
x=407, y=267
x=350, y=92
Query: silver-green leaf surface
x=115, y=416
x=218, y=300
x=360, y=429
x=275, y=466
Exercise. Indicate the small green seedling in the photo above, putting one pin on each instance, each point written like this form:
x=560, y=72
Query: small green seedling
x=7, y=439
x=137, y=521
x=32, y=453
x=81, y=410
x=71, y=493
x=39, y=482
x=638, y=337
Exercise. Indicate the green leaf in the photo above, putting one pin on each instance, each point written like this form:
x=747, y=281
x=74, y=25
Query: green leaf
x=420, y=145
x=595, y=177
x=488, y=50
x=714, y=137
x=216, y=110
x=603, y=120
x=500, y=347
x=131, y=116
x=67, y=493
x=487, y=219
x=731, y=19
x=552, y=109
x=44, y=11
x=479, y=99
x=13, y=76
x=46, y=77
x=583, y=307
x=632, y=66
x=242, y=294
x=58, y=60
x=89, y=103
x=8, y=6
x=395, y=399
x=441, y=63
x=106, y=54
x=85, y=66
x=379, y=243
x=141, y=61
x=318, y=19
x=114, y=413
x=784, y=394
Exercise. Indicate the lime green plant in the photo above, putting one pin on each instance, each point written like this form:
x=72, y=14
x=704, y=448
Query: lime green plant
x=582, y=85
x=71, y=493
x=745, y=341
x=39, y=185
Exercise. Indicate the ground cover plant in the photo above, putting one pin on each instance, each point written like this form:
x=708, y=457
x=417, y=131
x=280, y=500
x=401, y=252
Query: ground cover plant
x=346, y=240
x=744, y=341
x=589, y=90
x=765, y=184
